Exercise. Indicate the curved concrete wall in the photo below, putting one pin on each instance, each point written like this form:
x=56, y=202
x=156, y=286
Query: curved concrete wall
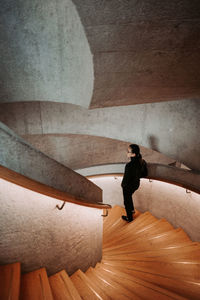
x=171, y=128
x=185, y=178
x=81, y=151
x=19, y=156
x=144, y=51
x=34, y=232
x=44, y=53
x=163, y=200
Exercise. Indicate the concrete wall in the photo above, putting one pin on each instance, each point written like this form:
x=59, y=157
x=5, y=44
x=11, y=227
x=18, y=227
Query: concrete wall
x=163, y=200
x=179, y=176
x=144, y=51
x=80, y=151
x=171, y=128
x=34, y=232
x=19, y=156
x=44, y=53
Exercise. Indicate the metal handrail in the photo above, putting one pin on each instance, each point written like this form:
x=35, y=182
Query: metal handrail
x=99, y=203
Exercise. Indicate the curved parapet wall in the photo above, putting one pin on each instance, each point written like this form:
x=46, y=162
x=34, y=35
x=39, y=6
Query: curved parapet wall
x=184, y=178
x=181, y=177
x=44, y=53
x=95, y=150
x=19, y=156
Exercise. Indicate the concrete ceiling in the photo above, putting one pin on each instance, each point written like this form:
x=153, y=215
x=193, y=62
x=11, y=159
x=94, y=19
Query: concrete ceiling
x=144, y=51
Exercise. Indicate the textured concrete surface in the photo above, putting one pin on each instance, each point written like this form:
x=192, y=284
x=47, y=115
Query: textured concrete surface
x=21, y=157
x=144, y=51
x=82, y=151
x=163, y=200
x=183, y=177
x=44, y=53
x=34, y=232
x=187, y=178
x=171, y=128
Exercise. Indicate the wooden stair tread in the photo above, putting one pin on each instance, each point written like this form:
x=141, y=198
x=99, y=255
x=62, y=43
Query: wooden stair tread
x=110, y=291
x=117, y=213
x=152, y=290
x=35, y=285
x=62, y=287
x=119, y=291
x=170, y=238
x=114, y=214
x=10, y=281
x=133, y=287
x=144, y=259
x=94, y=287
x=129, y=247
x=182, y=287
x=150, y=230
x=185, y=270
x=191, y=251
x=84, y=289
x=116, y=225
x=141, y=221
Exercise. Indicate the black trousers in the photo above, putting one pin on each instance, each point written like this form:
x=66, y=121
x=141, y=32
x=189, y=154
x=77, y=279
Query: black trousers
x=128, y=201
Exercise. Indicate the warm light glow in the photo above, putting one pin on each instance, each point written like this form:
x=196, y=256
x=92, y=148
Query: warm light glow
x=162, y=199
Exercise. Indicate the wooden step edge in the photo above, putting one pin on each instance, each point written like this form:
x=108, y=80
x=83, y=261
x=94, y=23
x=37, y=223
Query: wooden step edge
x=35, y=285
x=167, y=235
x=135, y=234
x=116, y=210
x=85, y=289
x=135, y=230
x=10, y=277
x=189, y=257
x=138, y=288
x=108, y=292
x=67, y=285
x=96, y=290
x=132, y=235
x=190, y=252
x=121, y=292
x=182, y=287
x=109, y=251
x=121, y=274
x=170, y=269
x=58, y=288
x=136, y=221
x=112, y=292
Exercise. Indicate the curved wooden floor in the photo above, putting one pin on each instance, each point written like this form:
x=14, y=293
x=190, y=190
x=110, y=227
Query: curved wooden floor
x=145, y=259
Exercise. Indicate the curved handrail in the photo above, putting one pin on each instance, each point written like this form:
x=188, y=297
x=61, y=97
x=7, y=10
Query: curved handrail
x=44, y=189
x=168, y=174
x=187, y=187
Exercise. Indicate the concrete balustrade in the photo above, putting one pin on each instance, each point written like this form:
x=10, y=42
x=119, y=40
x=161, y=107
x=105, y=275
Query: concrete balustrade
x=16, y=154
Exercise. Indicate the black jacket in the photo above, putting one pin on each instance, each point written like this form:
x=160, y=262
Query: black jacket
x=131, y=179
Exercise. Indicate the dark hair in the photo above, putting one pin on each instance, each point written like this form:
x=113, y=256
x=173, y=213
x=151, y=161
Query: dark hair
x=135, y=149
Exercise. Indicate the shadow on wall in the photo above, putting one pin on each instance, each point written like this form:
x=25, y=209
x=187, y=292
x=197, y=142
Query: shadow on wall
x=153, y=142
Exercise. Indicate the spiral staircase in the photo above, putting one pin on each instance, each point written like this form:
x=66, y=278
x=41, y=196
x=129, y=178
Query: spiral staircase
x=144, y=259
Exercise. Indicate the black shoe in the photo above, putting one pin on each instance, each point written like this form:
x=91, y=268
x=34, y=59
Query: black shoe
x=125, y=218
